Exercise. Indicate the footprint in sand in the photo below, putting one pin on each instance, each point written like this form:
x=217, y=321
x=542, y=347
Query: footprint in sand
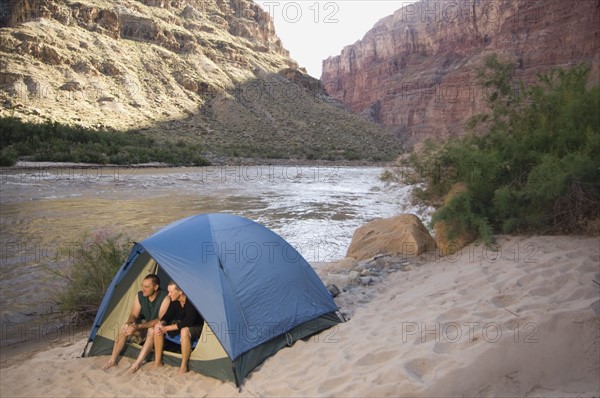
x=485, y=315
x=543, y=291
x=548, y=273
x=473, y=286
x=443, y=348
x=573, y=254
x=89, y=381
x=330, y=384
x=451, y=315
x=485, y=270
x=589, y=264
x=376, y=358
x=504, y=300
x=123, y=372
x=583, y=293
x=468, y=279
x=527, y=279
x=195, y=391
x=596, y=307
x=417, y=368
x=588, y=281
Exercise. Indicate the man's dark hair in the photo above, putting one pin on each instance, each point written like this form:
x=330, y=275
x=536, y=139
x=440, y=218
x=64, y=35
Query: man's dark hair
x=155, y=279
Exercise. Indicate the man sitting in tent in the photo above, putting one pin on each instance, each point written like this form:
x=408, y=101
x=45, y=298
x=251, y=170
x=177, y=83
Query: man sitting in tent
x=149, y=343
x=144, y=315
x=181, y=318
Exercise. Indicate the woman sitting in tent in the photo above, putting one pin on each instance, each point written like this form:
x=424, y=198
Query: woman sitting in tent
x=181, y=318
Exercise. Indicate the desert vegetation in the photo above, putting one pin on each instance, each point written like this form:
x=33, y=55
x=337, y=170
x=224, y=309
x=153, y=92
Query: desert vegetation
x=57, y=142
x=87, y=270
x=529, y=164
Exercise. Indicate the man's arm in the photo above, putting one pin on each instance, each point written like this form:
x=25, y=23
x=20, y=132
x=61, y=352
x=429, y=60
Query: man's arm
x=161, y=327
x=135, y=311
x=130, y=325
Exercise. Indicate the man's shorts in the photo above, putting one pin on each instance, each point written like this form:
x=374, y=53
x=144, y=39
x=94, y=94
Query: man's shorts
x=195, y=332
x=139, y=336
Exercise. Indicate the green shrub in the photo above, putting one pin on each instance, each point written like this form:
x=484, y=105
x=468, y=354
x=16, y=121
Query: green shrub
x=93, y=263
x=8, y=156
x=62, y=143
x=530, y=164
x=461, y=217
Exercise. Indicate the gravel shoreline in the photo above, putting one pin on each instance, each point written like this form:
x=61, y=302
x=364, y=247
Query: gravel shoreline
x=214, y=162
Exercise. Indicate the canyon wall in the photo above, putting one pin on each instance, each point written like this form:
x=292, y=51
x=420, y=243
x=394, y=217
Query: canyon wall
x=212, y=72
x=415, y=72
x=128, y=63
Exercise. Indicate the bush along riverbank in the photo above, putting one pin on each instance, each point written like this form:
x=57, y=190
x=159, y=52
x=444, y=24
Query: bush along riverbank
x=529, y=165
x=55, y=142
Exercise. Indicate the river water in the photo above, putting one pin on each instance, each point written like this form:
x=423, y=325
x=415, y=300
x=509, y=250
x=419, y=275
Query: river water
x=315, y=208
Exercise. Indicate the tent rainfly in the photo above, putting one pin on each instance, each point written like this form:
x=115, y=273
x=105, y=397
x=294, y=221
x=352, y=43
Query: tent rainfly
x=256, y=293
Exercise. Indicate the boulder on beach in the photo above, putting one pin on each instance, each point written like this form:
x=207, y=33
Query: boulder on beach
x=403, y=234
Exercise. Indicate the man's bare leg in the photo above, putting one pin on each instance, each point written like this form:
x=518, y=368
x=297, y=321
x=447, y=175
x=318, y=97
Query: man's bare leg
x=159, y=345
x=146, y=348
x=186, y=349
x=118, y=347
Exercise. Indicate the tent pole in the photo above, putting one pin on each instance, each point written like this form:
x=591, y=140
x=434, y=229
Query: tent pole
x=235, y=376
x=83, y=354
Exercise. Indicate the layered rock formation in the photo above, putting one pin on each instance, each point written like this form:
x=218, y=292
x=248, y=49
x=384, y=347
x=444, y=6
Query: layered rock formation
x=208, y=71
x=415, y=72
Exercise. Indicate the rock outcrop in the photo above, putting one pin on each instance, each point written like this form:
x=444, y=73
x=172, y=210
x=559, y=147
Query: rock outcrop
x=402, y=234
x=415, y=72
x=207, y=71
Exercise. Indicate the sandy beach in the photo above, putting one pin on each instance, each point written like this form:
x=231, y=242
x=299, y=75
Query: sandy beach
x=522, y=320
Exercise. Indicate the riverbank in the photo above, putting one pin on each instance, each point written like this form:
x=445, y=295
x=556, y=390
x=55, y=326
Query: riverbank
x=214, y=161
x=520, y=320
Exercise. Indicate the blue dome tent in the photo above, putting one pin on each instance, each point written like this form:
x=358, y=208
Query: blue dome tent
x=256, y=293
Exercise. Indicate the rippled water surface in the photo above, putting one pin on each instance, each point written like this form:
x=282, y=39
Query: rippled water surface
x=315, y=208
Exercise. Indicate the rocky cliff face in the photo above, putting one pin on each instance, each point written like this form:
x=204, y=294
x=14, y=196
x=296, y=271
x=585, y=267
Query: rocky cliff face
x=415, y=72
x=208, y=71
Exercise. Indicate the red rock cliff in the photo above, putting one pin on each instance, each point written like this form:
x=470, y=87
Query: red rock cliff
x=415, y=71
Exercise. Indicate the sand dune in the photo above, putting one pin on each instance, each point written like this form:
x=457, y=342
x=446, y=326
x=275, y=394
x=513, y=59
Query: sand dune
x=519, y=321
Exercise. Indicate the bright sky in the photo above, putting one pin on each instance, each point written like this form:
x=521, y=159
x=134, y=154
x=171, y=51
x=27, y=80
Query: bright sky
x=313, y=30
